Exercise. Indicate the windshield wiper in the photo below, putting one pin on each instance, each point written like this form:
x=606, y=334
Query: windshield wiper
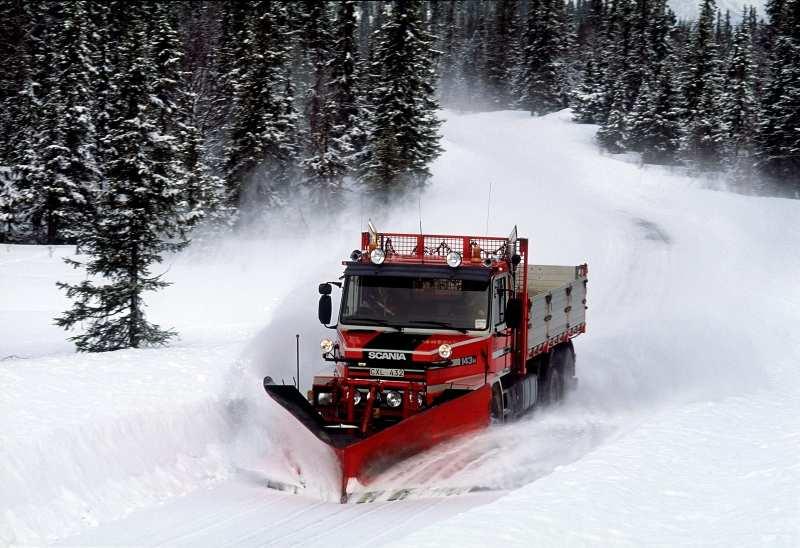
x=438, y=324
x=373, y=321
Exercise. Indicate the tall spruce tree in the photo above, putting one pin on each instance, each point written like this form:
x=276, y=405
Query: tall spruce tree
x=660, y=123
x=56, y=174
x=404, y=135
x=319, y=165
x=540, y=79
x=779, y=138
x=474, y=90
x=449, y=62
x=702, y=59
x=705, y=132
x=740, y=109
x=261, y=146
x=611, y=134
x=15, y=24
x=346, y=103
x=589, y=95
x=140, y=215
x=502, y=42
x=181, y=153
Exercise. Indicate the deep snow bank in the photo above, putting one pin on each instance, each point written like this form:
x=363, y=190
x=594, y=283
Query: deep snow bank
x=87, y=438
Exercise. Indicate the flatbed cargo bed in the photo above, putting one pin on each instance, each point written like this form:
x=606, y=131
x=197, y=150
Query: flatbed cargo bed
x=558, y=310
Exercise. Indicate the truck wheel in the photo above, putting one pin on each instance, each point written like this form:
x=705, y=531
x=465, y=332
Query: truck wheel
x=552, y=389
x=560, y=366
x=497, y=415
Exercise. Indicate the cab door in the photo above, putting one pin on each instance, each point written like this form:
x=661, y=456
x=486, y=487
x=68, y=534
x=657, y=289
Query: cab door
x=502, y=335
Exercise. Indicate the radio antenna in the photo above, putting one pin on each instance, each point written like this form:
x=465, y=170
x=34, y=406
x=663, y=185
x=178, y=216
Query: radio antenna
x=419, y=211
x=488, y=207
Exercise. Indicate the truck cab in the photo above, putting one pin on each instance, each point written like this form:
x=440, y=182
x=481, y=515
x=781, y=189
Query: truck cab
x=416, y=329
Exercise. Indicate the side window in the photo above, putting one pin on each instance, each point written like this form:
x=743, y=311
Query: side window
x=353, y=293
x=500, y=296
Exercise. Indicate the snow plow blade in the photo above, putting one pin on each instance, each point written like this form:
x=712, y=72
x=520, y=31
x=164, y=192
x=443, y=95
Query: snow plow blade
x=362, y=456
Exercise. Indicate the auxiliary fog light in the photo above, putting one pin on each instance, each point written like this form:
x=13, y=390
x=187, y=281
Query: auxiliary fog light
x=326, y=345
x=324, y=398
x=445, y=351
x=420, y=399
x=393, y=399
x=377, y=256
x=454, y=259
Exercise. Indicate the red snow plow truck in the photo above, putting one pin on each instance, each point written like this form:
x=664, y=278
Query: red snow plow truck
x=437, y=336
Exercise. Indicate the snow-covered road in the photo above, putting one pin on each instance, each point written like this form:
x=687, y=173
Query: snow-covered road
x=685, y=429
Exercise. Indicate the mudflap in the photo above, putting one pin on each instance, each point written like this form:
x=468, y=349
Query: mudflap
x=361, y=457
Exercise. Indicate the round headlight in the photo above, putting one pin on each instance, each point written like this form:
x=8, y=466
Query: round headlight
x=445, y=351
x=377, y=256
x=454, y=259
x=393, y=399
x=326, y=345
x=356, y=397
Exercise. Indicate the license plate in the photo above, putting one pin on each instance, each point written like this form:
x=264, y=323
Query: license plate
x=380, y=372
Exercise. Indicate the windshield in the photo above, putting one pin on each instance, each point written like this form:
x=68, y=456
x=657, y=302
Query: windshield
x=415, y=302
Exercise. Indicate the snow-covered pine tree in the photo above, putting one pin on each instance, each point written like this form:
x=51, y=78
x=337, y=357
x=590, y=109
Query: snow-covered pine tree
x=346, y=102
x=611, y=134
x=451, y=78
x=724, y=34
x=230, y=65
x=501, y=44
x=19, y=42
x=15, y=24
x=141, y=217
x=704, y=139
x=650, y=30
x=638, y=120
x=108, y=23
x=705, y=131
x=368, y=21
x=740, y=108
x=319, y=165
x=661, y=29
x=56, y=174
x=404, y=136
x=261, y=145
x=779, y=138
x=540, y=78
x=702, y=59
x=474, y=63
x=179, y=154
x=660, y=124
x=589, y=98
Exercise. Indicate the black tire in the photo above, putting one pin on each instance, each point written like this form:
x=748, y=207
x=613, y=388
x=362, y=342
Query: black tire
x=552, y=389
x=497, y=415
x=566, y=357
x=558, y=375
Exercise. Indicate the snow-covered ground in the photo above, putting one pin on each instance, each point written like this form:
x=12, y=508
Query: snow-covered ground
x=685, y=429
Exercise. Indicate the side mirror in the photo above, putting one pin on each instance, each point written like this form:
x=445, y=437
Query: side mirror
x=513, y=313
x=325, y=289
x=325, y=308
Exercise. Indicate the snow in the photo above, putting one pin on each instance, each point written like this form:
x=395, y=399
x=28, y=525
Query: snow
x=685, y=429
